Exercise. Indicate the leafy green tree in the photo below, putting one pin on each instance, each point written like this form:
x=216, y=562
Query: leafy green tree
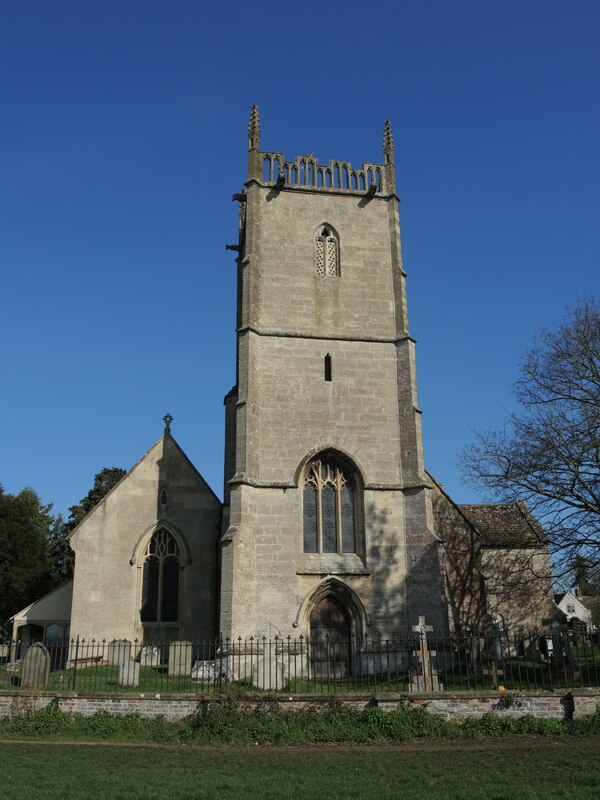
x=63, y=558
x=61, y=555
x=549, y=452
x=25, y=566
x=35, y=555
x=103, y=483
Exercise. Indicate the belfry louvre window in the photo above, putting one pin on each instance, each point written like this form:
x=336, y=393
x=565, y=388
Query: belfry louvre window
x=327, y=253
x=329, y=508
x=160, y=587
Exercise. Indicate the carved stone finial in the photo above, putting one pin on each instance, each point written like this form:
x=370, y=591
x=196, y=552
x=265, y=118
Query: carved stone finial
x=388, y=143
x=167, y=419
x=254, y=129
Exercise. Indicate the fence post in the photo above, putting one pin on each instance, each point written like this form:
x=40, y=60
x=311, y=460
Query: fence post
x=75, y=661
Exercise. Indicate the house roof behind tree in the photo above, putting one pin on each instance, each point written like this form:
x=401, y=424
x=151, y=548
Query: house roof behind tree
x=505, y=524
x=573, y=607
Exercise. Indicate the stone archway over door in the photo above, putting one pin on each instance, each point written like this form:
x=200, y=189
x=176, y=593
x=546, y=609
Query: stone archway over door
x=330, y=635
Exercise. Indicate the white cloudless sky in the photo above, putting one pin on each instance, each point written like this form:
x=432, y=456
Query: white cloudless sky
x=123, y=137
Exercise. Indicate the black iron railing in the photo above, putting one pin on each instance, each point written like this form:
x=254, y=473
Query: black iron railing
x=476, y=661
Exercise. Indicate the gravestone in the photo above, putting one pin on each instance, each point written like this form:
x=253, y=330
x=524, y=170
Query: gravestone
x=150, y=656
x=129, y=673
x=268, y=674
x=426, y=679
x=36, y=667
x=473, y=650
x=210, y=672
x=180, y=658
x=119, y=652
x=497, y=646
x=268, y=632
x=534, y=650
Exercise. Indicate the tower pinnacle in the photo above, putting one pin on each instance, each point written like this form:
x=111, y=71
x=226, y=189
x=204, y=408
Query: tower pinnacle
x=388, y=143
x=254, y=129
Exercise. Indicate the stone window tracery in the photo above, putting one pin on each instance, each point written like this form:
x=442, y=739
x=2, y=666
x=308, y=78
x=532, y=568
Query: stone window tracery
x=327, y=253
x=160, y=584
x=330, y=501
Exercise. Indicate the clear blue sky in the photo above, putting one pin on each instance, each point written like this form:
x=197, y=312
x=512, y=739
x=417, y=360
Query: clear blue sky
x=123, y=137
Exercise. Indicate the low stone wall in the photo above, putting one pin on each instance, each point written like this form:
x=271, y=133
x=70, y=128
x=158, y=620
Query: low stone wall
x=550, y=706
x=457, y=707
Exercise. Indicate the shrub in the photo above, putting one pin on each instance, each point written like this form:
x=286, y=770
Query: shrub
x=50, y=721
x=224, y=720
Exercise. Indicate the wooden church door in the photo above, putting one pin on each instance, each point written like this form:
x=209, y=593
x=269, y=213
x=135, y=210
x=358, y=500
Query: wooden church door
x=330, y=634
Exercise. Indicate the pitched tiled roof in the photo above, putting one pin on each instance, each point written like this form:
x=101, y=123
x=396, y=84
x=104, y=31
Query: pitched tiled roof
x=505, y=525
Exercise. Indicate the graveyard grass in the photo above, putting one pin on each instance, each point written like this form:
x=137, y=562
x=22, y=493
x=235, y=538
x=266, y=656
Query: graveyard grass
x=519, y=769
x=105, y=678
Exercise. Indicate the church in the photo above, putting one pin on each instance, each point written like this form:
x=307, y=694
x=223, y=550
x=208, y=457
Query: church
x=330, y=522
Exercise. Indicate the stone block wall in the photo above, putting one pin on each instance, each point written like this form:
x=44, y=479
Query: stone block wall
x=456, y=707
x=290, y=318
x=109, y=546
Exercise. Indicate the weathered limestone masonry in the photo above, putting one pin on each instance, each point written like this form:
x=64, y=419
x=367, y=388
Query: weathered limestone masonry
x=163, y=491
x=571, y=705
x=325, y=368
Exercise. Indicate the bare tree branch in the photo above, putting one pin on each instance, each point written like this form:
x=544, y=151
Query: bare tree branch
x=548, y=454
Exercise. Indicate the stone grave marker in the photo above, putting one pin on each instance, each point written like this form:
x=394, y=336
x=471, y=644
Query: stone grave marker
x=36, y=667
x=426, y=679
x=268, y=632
x=497, y=646
x=150, y=656
x=180, y=658
x=268, y=673
x=209, y=672
x=119, y=652
x=473, y=650
x=129, y=673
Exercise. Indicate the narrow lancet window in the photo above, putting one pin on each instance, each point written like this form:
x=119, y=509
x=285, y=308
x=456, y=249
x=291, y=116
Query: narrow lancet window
x=328, y=367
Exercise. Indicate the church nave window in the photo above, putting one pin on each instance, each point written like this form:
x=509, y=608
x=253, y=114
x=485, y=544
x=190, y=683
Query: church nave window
x=329, y=508
x=327, y=253
x=160, y=587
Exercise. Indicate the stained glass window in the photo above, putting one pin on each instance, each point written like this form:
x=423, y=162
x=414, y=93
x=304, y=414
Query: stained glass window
x=328, y=511
x=348, y=538
x=329, y=508
x=310, y=518
x=160, y=581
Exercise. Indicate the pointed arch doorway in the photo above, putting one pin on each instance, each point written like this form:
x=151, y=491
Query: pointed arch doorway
x=330, y=637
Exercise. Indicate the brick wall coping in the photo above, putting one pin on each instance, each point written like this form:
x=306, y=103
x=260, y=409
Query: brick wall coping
x=248, y=697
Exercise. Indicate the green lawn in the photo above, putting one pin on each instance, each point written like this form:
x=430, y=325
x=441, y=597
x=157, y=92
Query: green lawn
x=516, y=769
x=517, y=675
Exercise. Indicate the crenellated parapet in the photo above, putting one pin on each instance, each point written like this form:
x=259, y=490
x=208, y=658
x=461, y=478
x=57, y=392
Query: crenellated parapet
x=305, y=172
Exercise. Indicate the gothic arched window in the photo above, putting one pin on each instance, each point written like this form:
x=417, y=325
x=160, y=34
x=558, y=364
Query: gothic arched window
x=327, y=252
x=330, y=507
x=160, y=584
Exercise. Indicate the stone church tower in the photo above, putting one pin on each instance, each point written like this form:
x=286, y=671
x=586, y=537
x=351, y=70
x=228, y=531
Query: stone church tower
x=327, y=524
x=330, y=525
